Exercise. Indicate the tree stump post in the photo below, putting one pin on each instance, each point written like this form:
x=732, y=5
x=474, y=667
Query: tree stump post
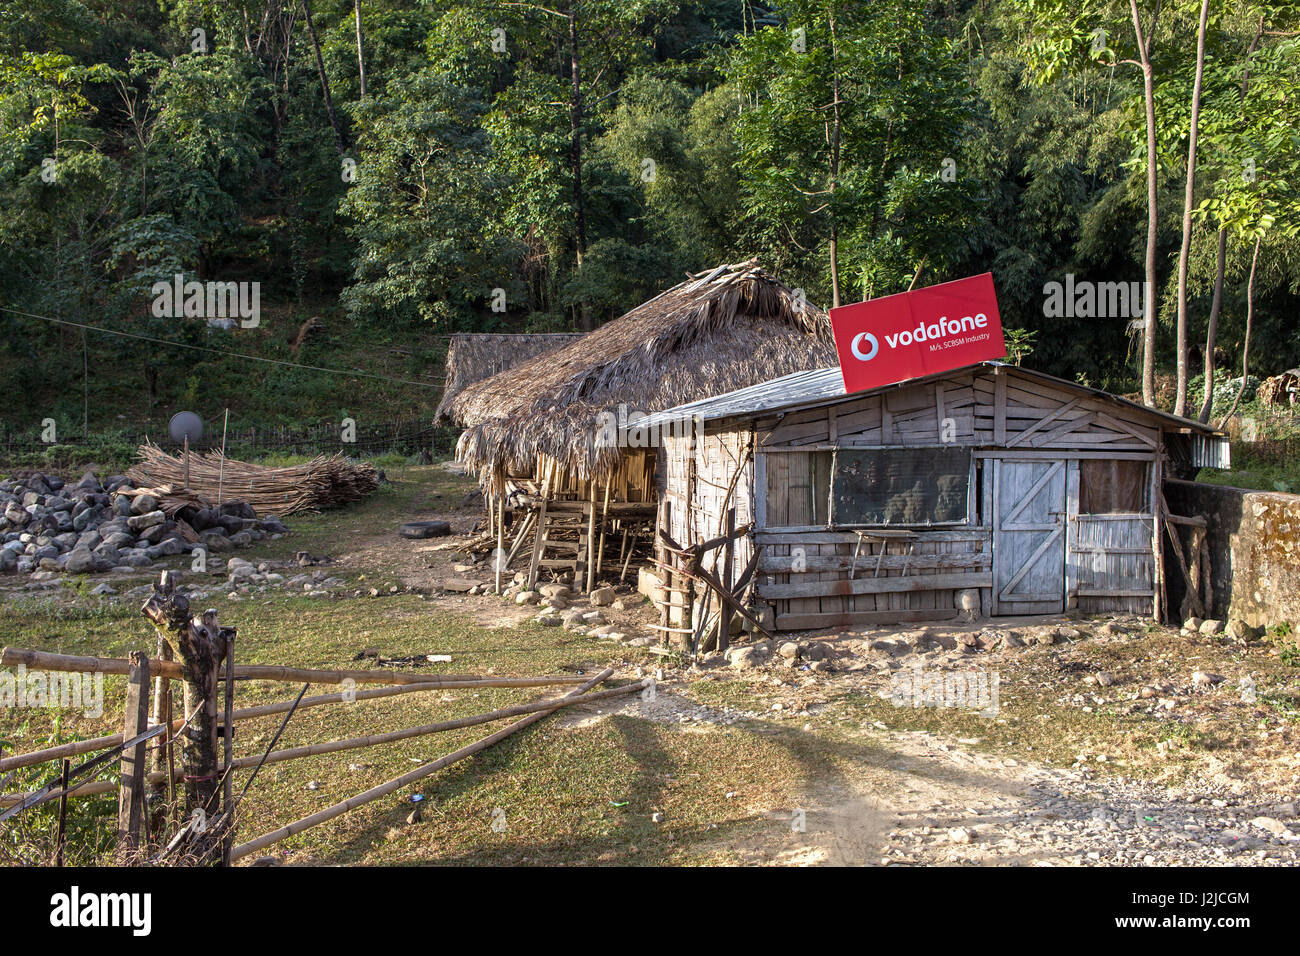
x=130, y=799
x=202, y=646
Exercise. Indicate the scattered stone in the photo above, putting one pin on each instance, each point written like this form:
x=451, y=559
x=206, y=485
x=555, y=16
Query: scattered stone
x=459, y=585
x=1239, y=630
x=1275, y=827
x=601, y=597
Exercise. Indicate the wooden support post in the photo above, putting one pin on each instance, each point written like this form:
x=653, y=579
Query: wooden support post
x=60, y=839
x=661, y=561
x=163, y=752
x=539, y=542
x=499, y=558
x=228, y=726
x=130, y=798
x=591, y=542
x=688, y=602
x=628, y=559
x=724, y=618
x=999, y=407
x=201, y=644
x=604, y=520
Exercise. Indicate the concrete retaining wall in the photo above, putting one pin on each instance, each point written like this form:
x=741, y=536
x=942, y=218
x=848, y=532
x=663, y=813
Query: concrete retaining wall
x=1254, y=540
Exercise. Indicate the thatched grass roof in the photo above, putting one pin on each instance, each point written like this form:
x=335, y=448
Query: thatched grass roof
x=718, y=331
x=474, y=356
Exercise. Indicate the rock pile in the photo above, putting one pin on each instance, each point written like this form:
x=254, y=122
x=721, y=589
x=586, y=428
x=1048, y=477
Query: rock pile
x=51, y=528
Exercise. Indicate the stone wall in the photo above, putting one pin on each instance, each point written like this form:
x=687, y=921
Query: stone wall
x=1254, y=539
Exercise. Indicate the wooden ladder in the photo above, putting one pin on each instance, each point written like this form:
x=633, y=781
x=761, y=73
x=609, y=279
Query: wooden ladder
x=553, y=546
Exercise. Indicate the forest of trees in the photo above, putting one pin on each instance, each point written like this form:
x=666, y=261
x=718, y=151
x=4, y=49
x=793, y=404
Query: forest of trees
x=392, y=163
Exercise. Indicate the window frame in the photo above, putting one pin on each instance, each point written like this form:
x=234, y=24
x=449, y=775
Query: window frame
x=760, y=490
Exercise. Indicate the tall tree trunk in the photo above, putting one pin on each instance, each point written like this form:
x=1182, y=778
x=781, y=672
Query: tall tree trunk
x=1212, y=325
x=575, y=149
x=835, y=165
x=361, y=60
x=324, y=80
x=1189, y=197
x=1245, y=345
x=1144, y=43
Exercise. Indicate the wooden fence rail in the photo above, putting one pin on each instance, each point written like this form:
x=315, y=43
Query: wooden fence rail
x=374, y=793
x=44, y=660
x=207, y=666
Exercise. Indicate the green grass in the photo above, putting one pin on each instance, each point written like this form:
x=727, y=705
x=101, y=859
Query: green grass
x=586, y=793
x=581, y=794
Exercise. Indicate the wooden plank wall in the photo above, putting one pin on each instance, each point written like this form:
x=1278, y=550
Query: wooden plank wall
x=998, y=412
x=885, y=588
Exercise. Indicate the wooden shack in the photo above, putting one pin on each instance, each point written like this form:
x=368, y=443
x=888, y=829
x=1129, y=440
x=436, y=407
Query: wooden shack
x=556, y=440
x=991, y=488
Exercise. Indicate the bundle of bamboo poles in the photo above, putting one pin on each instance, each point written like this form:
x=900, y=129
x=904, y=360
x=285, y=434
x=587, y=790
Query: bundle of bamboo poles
x=324, y=482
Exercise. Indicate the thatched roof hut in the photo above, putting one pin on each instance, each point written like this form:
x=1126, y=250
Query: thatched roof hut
x=724, y=329
x=474, y=356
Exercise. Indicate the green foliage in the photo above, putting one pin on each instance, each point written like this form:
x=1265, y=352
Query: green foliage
x=902, y=142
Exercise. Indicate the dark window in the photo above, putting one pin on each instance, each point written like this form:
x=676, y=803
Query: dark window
x=901, y=486
x=1108, y=486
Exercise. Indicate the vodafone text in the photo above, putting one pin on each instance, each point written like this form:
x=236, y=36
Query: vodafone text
x=925, y=332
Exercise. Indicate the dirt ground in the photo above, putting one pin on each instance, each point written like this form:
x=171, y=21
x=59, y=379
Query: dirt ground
x=1111, y=741
x=1119, y=742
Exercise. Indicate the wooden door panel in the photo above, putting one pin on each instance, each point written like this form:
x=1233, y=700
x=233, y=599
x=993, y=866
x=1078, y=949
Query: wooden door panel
x=1029, y=537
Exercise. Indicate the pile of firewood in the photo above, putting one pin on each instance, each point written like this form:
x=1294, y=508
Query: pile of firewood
x=326, y=481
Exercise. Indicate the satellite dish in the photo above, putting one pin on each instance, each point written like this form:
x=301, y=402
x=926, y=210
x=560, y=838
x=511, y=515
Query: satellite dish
x=185, y=427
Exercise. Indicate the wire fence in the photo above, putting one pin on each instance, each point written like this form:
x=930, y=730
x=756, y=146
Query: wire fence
x=404, y=437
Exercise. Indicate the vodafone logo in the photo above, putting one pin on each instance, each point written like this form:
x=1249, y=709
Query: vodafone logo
x=857, y=347
x=922, y=333
x=918, y=332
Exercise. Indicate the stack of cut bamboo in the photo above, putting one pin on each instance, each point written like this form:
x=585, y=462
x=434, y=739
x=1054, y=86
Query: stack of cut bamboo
x=326, y=481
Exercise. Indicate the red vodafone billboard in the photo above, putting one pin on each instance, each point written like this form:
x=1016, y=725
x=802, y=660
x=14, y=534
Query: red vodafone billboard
x=918, y=333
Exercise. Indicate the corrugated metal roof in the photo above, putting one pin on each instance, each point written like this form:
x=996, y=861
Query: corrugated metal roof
x=797, y=388
x=827, y=384
x=1211, y=451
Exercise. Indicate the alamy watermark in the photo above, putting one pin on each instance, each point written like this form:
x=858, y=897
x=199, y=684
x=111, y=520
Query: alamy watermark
x=971, y=690
x=629, y=428
x=1095, y=300
x=33, y=689
x=220, y=303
